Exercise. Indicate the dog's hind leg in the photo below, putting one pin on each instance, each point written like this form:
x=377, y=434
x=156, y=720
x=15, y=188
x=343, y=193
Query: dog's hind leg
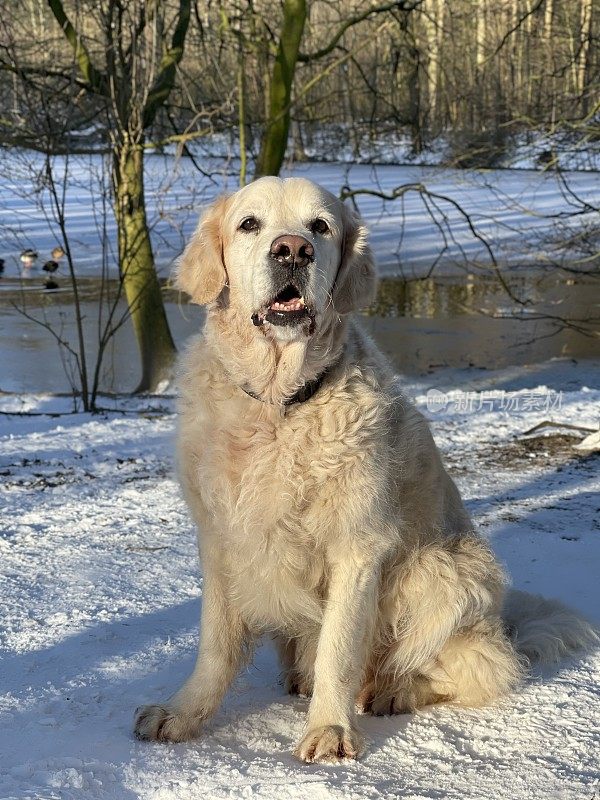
x=441, y=636
x=474, y=667
x=398, y=695
x=443, y=588
x=297, y=658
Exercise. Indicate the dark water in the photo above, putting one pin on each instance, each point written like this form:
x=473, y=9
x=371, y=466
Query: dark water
x=420, y=324
x=474, y=321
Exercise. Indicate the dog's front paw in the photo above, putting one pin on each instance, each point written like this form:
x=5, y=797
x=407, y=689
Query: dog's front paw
x=330, y=743
x=165, y=724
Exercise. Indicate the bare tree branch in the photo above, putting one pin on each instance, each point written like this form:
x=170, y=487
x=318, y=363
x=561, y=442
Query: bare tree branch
x=395, y=5
x=165, y=79
x=94, y=79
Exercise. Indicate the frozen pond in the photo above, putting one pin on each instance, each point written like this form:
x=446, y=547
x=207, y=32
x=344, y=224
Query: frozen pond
x=446, y=319
x=512, y=209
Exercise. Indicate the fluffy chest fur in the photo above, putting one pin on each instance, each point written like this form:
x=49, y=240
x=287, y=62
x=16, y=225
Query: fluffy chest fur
x=283, y=490
x=263, y=487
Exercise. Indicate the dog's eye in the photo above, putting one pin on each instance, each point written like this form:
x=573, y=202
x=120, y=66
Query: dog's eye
x=319, y=226
x=250, y=224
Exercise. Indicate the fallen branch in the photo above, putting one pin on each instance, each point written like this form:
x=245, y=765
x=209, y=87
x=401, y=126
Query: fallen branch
x=551, y=424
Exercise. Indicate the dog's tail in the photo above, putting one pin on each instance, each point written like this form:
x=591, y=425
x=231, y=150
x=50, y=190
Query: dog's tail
x=545, y=631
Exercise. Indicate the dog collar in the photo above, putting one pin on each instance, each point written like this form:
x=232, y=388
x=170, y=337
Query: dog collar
x=303, y=394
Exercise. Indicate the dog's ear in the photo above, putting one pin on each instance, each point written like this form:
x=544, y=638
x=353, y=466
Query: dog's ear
x=200, y=271
x=356, y=281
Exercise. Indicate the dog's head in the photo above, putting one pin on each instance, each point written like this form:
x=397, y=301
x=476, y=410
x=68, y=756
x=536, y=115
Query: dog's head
x=285, y=253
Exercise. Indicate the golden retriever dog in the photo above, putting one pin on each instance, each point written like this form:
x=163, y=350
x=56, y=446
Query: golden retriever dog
x=325, y=515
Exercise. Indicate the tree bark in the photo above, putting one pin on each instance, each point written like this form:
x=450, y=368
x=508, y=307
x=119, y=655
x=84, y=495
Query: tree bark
x=411, y=76
x=277, y=126
x=434, y=35
x=131, y=109
x=136, y=260
x=583, y=67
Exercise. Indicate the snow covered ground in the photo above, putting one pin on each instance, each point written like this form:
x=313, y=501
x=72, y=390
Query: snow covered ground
x=391, y=145
x=101, y=597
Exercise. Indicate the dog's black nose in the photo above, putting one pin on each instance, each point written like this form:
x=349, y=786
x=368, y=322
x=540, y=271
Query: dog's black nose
x=290, y=249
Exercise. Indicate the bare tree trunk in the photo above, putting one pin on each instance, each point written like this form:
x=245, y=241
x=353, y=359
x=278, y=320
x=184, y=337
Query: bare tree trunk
x=479, y=105
x=584, y=52
x=136, y=260
x=277, y=126
x=412, y=76
x=241, y=91
x=434, y=27
x=550, y=71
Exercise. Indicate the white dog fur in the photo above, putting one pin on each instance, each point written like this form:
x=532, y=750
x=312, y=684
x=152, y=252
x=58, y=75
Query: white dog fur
x=330, y=524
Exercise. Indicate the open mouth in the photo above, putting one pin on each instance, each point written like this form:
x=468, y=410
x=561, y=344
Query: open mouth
x=288, y=300
x=286, y=308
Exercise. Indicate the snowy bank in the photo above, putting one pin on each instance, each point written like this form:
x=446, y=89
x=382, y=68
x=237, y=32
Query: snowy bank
x=521, y=214
x=101, y=599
